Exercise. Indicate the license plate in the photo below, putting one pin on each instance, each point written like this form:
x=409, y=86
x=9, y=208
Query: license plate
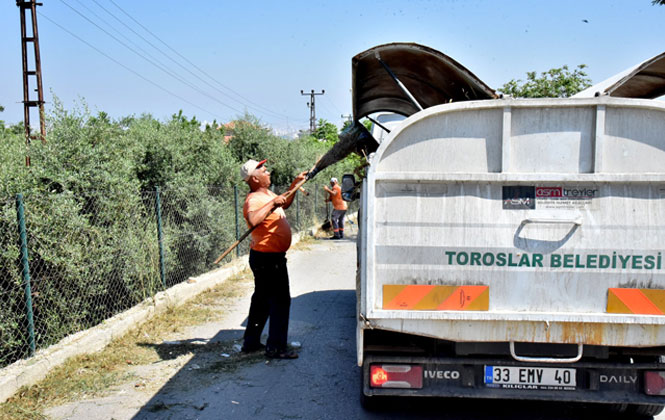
x=540, y=378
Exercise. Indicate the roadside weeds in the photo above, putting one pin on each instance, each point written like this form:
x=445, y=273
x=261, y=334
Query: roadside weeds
x=92, y=375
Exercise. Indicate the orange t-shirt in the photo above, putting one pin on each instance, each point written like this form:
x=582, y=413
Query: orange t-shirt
x=337, y=201
x=274, y=233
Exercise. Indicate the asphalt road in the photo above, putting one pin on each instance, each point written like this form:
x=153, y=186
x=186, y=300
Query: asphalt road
x=323, y=383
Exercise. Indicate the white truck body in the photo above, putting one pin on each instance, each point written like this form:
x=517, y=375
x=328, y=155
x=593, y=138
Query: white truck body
x=516, y=221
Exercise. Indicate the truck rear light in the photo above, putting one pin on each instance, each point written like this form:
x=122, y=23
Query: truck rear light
x=396, y=376
x=654, y=382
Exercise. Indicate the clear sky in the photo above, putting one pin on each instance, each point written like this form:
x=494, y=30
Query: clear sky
x=218, y=59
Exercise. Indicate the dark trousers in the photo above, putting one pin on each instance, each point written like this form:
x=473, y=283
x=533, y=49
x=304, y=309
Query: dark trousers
x=338, y=222
x=271, y=299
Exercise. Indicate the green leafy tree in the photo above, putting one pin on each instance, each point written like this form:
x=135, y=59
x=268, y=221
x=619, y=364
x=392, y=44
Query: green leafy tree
x=367, y=123
x=325, y=137
x=84, y=215
x=554, y=83
x=2, y=123
x=18, y=128
x=90, y=196
x=182, y=119
x=249, y=138
x=326, y=132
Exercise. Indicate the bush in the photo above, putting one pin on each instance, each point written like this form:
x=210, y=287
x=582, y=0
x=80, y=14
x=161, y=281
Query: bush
x=90, y=196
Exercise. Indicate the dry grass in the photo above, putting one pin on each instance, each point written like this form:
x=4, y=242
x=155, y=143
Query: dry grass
x=91, y=375
x=304, y=244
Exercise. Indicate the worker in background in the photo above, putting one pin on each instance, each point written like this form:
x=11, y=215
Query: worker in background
x=267, y=259
x=339, y=207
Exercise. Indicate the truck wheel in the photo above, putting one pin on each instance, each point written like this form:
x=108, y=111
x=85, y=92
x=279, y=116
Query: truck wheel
x=646, y=410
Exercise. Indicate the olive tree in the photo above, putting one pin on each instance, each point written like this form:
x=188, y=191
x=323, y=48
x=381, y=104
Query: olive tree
x=554, y=83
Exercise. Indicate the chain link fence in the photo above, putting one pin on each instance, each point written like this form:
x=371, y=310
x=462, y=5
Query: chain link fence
x=68, y=261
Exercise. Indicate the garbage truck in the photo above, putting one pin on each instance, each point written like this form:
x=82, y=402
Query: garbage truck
x=510, y=248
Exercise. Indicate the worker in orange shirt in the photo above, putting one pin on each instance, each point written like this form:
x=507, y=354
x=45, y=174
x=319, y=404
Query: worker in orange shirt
x=339, y=207
x=267, y=259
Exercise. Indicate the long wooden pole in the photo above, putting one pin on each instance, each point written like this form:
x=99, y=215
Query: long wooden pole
x=346, y=144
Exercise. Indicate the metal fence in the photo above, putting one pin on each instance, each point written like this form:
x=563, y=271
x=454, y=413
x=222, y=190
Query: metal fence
x=69, y=261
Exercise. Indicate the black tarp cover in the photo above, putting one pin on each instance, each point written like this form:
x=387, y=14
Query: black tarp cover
x=430, y=76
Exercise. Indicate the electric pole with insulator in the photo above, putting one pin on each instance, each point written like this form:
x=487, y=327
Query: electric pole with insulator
x=28, y=73
x=312, y=109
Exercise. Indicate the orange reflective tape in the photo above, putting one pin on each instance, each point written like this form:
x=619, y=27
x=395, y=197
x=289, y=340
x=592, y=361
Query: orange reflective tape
x=431, y=298
x=464, y=296
x=435, y=296
x=615, y=305
x=657, y=296
x=408, y=297
x=636, y=301
x=390, y=293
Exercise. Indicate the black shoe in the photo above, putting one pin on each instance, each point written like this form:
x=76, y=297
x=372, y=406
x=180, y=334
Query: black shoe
x=334, y=238
x=253, y=349
x=281, y=354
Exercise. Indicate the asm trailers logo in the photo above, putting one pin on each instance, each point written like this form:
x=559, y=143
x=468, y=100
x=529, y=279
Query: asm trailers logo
x=521, y=197
x=570, y=193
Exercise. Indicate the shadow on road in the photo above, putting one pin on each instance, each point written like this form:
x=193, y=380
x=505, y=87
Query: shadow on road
x=472, y=409
x=212, y=385
x=323, y=383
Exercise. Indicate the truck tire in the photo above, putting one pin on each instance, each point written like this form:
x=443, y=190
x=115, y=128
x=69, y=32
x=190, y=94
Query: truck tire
x=646, y=410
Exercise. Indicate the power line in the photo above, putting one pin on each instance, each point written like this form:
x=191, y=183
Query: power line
x=119, y=32
x=162, y=52
x=329, y=99
x=175, y=76
x=198, y=68
x=155, y=62
x=124, y=66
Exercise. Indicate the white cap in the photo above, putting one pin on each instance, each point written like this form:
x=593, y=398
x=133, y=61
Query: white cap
x=248, y=167
x=333, y=180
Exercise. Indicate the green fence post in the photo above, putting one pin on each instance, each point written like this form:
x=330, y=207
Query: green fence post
x=235, y=202
x=160, y=237
x=26, y=272
x=297, y=210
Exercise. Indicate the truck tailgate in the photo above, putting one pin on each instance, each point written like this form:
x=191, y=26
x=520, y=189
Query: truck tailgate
x=520, y=220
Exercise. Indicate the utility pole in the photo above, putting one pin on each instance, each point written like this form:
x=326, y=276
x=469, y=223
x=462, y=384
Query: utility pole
x=312, y=109
x=35, y=72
